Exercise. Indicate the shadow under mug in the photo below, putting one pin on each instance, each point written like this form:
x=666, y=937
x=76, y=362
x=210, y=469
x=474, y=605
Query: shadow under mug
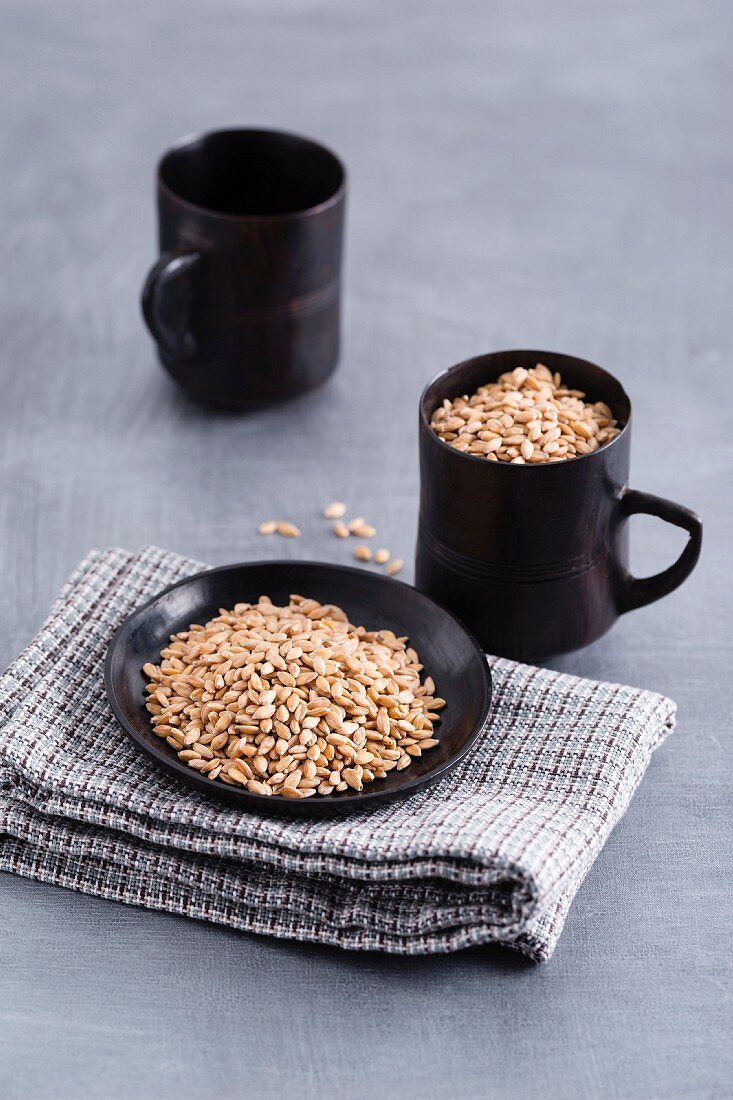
x=244, y=301
x=534, y=558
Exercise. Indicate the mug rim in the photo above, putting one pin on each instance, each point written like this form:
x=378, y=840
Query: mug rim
x=425, y=423
x=192, y=138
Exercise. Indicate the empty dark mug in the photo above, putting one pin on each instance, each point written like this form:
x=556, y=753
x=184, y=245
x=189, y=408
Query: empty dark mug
x=534, y=558
x=244, y=301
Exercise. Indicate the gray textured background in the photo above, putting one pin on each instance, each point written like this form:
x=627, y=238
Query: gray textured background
x=522, y=174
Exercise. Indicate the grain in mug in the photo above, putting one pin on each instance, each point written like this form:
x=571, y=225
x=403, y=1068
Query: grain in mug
x=525, y=417
x=291, y=701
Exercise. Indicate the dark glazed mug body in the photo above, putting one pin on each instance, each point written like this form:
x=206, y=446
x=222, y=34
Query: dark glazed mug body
x=534, y=558
x=244, y=301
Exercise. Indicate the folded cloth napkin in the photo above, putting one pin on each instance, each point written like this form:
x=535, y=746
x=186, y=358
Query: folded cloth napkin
x=494, y=852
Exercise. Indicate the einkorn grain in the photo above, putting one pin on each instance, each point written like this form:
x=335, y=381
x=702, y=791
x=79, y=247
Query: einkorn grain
x=291, y=701
x=288, y=530
x=526, y=416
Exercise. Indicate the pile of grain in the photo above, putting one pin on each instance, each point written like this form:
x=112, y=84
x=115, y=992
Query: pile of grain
x=291, y=701
x=526, y=416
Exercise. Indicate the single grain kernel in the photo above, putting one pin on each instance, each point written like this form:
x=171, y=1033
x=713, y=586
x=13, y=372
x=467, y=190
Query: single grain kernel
x=362, y=553
x=363, y=530
x=269, y=527
x=334, y=510
x=394, y=566
x=288, y=530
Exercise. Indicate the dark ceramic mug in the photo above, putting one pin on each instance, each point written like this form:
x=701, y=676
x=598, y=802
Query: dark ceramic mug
x=534, y=558
x=244, y=301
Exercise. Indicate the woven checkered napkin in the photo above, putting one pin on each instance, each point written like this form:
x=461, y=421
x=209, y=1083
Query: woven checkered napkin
x=496, y=851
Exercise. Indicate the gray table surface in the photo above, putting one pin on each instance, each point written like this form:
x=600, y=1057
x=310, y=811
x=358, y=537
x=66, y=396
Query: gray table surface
x=530, y=174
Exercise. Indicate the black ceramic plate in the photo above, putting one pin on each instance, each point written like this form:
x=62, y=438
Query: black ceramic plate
x=449, y=653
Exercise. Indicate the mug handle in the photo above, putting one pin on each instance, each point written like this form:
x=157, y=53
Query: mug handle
x=166, y=304
x=636, y=592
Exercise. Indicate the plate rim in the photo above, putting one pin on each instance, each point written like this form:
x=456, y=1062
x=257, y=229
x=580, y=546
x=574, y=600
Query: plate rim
x=265, y=804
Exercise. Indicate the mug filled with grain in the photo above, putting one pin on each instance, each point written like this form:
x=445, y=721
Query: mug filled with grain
x=524, y=466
